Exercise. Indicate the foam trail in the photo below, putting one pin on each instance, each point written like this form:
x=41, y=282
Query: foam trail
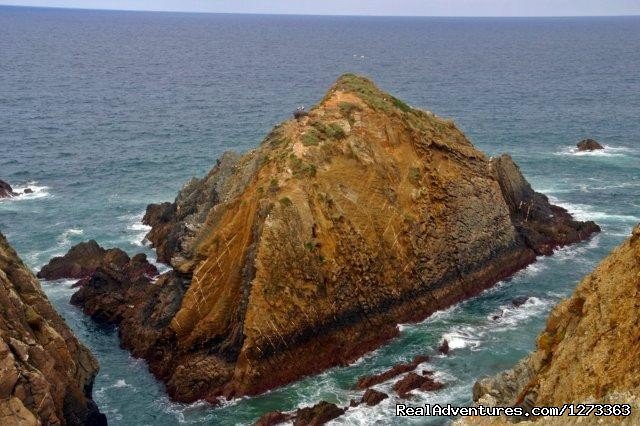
x=38, y=192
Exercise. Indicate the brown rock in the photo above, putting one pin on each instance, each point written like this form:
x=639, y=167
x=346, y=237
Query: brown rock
x=373, y=397
x=316, y=415
x=306, y=252
x=444, y=347
x=273, y=418
x=589, y=145
x=396, y=370
x=84, y=259
x=414, y=381
x=46, y=375
x=319, y=414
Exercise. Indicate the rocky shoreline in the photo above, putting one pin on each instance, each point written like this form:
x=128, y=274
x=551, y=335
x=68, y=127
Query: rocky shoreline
x=308, y=251
x=587, y=353
x=46, y=374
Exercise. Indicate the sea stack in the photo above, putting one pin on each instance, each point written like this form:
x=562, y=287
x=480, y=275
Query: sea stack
x=589, y=145
x=306, y=252
x=46, y=375
x=588, y=352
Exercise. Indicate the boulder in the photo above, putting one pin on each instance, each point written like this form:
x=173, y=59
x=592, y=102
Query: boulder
x=589, y=145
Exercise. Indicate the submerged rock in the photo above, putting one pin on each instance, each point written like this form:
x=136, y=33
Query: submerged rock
x=46, y=375
x=84, y=259
x=5, y=190
x=306, y=252
x=589, y=145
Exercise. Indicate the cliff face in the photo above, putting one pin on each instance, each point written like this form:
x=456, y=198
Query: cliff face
x=46, y=375
x=590, y=348
x=307, y=251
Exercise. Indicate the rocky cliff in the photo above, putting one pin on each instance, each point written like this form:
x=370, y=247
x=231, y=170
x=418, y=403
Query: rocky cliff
x=590, y=348
x=46, y=375
x=307, y=251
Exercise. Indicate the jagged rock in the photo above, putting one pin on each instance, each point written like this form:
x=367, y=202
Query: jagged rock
x=46, y=375
x=306, y=252
x=373, y=397
x=396, y=370
x=319, y=414
x=5, y=190
x=415, y=381
x=444, y=347
x=589, y=145
x=84, y=259
x=542, y=225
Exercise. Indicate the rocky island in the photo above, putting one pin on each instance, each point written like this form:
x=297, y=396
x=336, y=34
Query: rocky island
x=46, y=375
x=306, y=252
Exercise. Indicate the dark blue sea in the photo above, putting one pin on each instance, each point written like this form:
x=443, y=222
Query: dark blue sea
x=104, y=112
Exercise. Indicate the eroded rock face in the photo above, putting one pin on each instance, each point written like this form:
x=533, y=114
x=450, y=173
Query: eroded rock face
x=306, y=252
x=46, y=375
x=589, y=349
x=83, y=259
x=589, y=145
x=5, y=190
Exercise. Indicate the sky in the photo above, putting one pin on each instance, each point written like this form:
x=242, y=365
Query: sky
x=363, y=7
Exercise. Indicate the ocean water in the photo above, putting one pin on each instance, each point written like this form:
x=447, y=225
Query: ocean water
x=104, y=112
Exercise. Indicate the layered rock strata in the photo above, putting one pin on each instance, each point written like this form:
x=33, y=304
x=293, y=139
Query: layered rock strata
x=46, y=375
x=307, y=251
x=589, y=351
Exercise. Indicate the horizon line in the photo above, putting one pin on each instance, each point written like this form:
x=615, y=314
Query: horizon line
x=18, y=6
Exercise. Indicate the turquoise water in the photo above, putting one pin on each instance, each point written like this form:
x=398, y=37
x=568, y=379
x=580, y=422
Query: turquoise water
x=104, y=112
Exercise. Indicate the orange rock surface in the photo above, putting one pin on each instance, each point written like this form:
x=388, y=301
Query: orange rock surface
x=307, y=251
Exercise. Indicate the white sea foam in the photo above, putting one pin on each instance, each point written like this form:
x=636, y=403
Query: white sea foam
x=38, y=192
x=608, y=151
x=139, y=229
x=506, y=317
x=587, y=212
x=67, y=235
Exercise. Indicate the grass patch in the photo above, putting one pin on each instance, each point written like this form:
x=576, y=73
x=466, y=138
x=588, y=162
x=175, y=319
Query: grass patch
x=301, y=169
x=400, y=105
x=415, y=175
x=311, y=137
x=286, y=201
x=323, y=131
